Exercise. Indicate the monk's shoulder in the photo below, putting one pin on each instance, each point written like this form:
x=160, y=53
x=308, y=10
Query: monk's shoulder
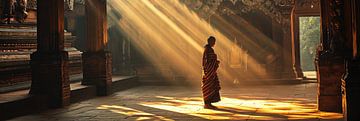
x=209, y=49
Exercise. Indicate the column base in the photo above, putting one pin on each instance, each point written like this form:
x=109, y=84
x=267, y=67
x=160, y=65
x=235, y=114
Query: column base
x=351, y=91
x=298, y=72
x=50, y=77
x=97, y=71
x=329, y=103
x=288, y=75
x=329, y=73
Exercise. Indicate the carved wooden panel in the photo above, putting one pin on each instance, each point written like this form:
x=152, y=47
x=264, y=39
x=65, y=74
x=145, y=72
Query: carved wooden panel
x=31, y=4
x=307, y=6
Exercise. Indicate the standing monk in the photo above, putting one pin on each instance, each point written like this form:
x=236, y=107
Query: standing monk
x=210, y=82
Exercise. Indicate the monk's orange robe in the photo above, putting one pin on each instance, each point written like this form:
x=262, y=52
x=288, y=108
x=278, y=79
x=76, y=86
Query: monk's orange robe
x=210, y=81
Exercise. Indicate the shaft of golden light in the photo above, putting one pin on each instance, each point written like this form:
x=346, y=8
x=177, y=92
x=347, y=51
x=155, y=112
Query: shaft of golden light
x=168, y=33
x=150, y=36
x=251, y=38
x=256, y=34
x=173, y=25
x=203, y=30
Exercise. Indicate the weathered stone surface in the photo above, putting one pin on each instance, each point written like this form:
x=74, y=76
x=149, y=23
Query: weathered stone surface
x=50, y=77
x=270, y=102
x=97, y=71
x=329, y=89
x=330, y=59
x=16, y=45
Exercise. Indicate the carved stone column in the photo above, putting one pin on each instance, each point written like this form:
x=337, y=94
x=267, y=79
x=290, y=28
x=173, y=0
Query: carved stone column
x=351, y=90
x=49, y=64
x=296, y=45
x=286, y=49
x=283, y=67
x=330, y=60
x=96, y=60
x=287, y=55
x=351, y=80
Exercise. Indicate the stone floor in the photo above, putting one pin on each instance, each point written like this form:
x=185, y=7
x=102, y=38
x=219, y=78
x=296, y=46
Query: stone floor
x=169, y=103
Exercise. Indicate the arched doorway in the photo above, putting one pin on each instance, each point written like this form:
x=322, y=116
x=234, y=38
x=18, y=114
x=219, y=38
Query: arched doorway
x=308, y=8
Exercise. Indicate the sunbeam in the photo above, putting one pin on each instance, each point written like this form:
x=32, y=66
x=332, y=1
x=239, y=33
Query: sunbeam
x=168, y=33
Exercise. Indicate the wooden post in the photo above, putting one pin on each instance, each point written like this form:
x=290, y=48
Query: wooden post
x=296, y=45
x=96, y=60
x=351, y=79
x=330, y=60
x=288, y=72
x=49, y=64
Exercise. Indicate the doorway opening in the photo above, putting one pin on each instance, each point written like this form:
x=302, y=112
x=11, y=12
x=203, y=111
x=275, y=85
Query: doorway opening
x=309, y=41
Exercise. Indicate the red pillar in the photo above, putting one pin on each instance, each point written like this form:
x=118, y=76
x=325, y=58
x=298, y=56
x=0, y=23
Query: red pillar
x=287, y=66
x=96, y=60
x=49, y=64
x=296, y=45
x=330, y=60
x=351, y=80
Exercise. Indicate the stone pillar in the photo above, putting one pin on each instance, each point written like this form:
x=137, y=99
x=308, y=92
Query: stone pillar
x=330, y=60
x=281, y=34
x=351, y=79
x=296, y=45
x=351, y=90
x=49, y=64
x=275, y=65
x=96, y=60
x=287, y=69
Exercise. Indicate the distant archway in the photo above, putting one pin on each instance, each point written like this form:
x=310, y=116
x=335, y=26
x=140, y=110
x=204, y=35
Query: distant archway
x=301, y=8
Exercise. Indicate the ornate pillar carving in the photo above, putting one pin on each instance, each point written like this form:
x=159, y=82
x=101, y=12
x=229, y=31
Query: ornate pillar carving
x=287, y=63
x=330, y=61
x=96, y=60
x=351, y=79
x=13, y=9
x=287, y=54
x=49, y=64
x=296, y=45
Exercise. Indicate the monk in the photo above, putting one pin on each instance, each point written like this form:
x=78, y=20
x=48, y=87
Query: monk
x=210, y=82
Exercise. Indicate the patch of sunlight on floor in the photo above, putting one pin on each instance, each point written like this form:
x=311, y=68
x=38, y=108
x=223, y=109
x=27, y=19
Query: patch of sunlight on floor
x=140, y=115
x=310, y=74
x=231, y=108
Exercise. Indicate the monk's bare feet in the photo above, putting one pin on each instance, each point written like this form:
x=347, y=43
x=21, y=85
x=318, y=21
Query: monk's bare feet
x=206, y=106
x=209, y=106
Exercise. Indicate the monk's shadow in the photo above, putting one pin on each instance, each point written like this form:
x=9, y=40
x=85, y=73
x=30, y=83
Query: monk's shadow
x=248, y=112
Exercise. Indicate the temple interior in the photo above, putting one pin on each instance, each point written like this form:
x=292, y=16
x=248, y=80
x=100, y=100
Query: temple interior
x=135, y=60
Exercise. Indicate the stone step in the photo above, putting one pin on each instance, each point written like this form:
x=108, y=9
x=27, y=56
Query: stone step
x=22, y=31
x=27, y=42
x=14, y=24
x=25, y=55
x=15, y=66
x=26, y=85
x=23, y=104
